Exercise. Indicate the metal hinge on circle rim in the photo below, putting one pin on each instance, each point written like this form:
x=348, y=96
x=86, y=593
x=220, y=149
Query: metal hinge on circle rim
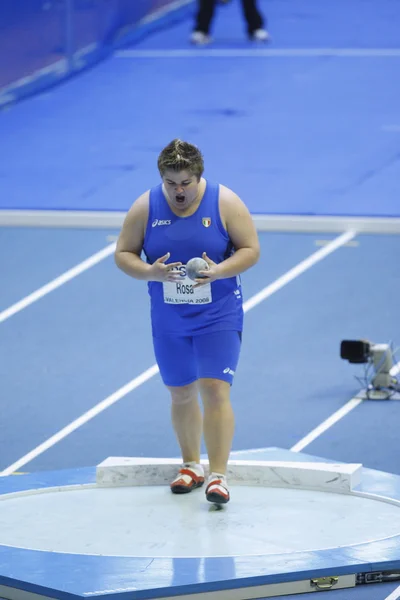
x=324, y=583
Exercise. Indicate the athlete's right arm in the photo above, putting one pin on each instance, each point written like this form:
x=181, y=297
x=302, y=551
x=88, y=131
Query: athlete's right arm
x=130, y=245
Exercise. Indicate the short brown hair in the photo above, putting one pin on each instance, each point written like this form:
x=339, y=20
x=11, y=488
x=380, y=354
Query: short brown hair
x=181, y=156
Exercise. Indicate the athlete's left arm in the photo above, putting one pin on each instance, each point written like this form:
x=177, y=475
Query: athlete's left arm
x=242, y=232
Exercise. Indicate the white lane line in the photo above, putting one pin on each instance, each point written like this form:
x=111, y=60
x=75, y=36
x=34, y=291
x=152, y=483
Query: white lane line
x=87, y=416
x=149, y=373
x=261, y=53
x=339, y=414
x=57, y=282
x=299, y=269
x=395, y=370
x=395, y=595
x=334, y=418
x=155, y=16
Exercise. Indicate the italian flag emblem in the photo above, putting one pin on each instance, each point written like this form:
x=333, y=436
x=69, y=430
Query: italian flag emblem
x=206, y=221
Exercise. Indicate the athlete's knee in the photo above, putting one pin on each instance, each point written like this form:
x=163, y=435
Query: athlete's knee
x=183, y=394
x=214, y=390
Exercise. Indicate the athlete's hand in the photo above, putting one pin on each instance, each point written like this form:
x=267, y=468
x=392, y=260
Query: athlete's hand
x=212, y=273
x=160, y=271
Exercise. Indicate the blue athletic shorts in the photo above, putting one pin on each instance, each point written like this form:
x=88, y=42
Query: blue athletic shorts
x=182, y=360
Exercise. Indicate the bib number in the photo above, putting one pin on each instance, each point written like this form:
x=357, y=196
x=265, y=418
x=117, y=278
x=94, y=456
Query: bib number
x=184, y=292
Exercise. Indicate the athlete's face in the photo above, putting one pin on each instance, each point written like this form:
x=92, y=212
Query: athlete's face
x=182, y=188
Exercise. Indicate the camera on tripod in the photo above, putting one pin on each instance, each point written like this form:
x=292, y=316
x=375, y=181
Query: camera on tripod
x=379, y=356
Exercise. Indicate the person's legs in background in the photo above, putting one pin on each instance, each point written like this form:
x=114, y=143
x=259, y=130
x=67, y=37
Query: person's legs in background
x=255, y=21
x=206, y=8
x=204, y=17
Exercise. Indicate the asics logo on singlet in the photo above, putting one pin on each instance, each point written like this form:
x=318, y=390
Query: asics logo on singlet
x=160, y=222
x=228, y=370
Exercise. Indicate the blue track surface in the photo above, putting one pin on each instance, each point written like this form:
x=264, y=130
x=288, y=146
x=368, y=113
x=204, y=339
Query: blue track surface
x=80, y=343
x=291, y=134
x=294, y=134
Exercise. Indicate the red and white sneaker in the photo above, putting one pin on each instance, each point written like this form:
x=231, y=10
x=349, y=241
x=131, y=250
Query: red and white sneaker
x=190, y=476
x=217, y=489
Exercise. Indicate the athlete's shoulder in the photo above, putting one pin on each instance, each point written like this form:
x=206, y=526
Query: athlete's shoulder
x=143, y=199
x=134, y=226
x=227, y=194
x=141, y=205
x=137, y=216
x=229, y=201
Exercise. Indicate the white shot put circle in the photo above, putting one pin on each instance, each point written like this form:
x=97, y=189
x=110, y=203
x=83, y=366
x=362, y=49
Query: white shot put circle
x=275, y=508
